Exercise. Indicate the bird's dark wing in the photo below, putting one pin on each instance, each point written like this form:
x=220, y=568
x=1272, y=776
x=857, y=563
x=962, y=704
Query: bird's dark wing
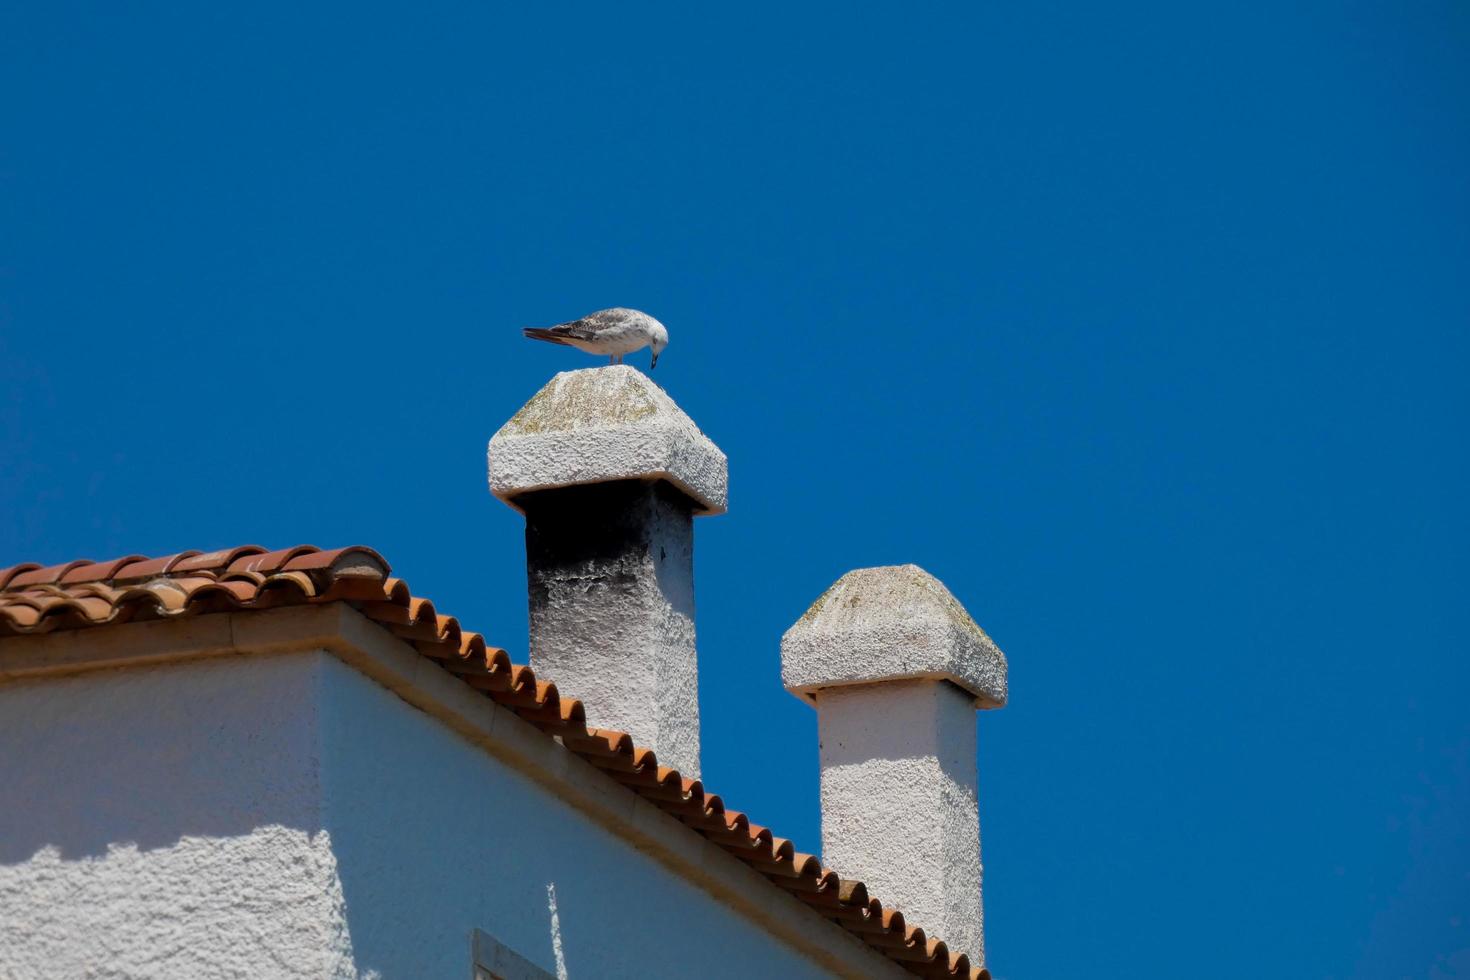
x=549, y=335
x=591, y=326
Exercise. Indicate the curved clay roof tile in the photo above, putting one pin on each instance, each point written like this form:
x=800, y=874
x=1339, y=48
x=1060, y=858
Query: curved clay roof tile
x=49, y=575
x=213, y=561
x=97, y=571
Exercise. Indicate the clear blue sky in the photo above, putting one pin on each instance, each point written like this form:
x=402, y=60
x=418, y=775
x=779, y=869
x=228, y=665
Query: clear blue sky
x=1145, y=329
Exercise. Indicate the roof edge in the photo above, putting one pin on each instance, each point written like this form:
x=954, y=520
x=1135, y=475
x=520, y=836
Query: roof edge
x=339, y=629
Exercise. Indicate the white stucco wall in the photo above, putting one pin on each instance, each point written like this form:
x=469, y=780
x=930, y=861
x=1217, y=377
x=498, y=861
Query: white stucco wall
x=900, y=804
x=167, y=823
x=288, y=817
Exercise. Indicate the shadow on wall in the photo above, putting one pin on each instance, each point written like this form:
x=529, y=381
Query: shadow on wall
x=165, y=822
x=147, y=757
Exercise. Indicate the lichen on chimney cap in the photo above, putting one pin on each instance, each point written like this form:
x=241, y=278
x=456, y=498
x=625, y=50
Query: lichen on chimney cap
x=896, y=622
x=603, y=424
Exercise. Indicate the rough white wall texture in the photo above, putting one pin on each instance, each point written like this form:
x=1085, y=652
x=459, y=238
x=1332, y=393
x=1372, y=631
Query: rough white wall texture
x=899, y=804
x=288, y=817
x=601, y=424
x=890, y=622
x=264, y=904
x=610, y=569
x=166, y=823
x=608, y=471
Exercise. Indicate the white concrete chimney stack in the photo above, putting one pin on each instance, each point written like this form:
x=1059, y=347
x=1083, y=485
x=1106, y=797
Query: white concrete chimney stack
x=609, y=474
x=896, y=669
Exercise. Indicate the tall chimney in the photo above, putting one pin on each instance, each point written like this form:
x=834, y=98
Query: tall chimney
x=609, y=474
x=896, y=669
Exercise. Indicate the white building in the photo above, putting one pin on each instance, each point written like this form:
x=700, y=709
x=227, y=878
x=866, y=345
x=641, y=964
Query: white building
x=282, y=764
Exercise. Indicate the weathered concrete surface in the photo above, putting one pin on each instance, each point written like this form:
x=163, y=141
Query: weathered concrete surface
x=610, y=569
x=609, y=473
x=899, y=803
x=896, y=668
x=891, y=622
x=602, y=424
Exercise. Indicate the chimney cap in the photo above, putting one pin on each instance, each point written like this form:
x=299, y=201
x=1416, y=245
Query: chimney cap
x=603, y=424
x=896, y=622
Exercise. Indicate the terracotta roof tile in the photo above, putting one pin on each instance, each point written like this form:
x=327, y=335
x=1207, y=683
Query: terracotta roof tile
x=6, y=574
x=270, y=561
x=151, y=567
x=82, y=594
x=211, y=561
x=45, y=576
x=97, y=571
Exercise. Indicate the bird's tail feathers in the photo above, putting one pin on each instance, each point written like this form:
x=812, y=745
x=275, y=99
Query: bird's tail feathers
x=543, y=333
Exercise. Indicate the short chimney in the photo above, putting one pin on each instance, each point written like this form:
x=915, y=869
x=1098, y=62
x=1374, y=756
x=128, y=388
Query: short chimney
x=609, y=474
x=896, y=669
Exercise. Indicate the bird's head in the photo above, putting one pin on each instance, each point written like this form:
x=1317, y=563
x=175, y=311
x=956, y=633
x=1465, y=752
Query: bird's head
x=659, y=335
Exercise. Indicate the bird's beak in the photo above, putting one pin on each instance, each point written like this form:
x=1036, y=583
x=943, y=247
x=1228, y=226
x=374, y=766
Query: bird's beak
x=653, y=363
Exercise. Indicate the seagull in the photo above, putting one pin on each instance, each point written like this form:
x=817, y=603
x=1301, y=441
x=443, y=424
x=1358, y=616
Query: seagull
x=613, y=332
